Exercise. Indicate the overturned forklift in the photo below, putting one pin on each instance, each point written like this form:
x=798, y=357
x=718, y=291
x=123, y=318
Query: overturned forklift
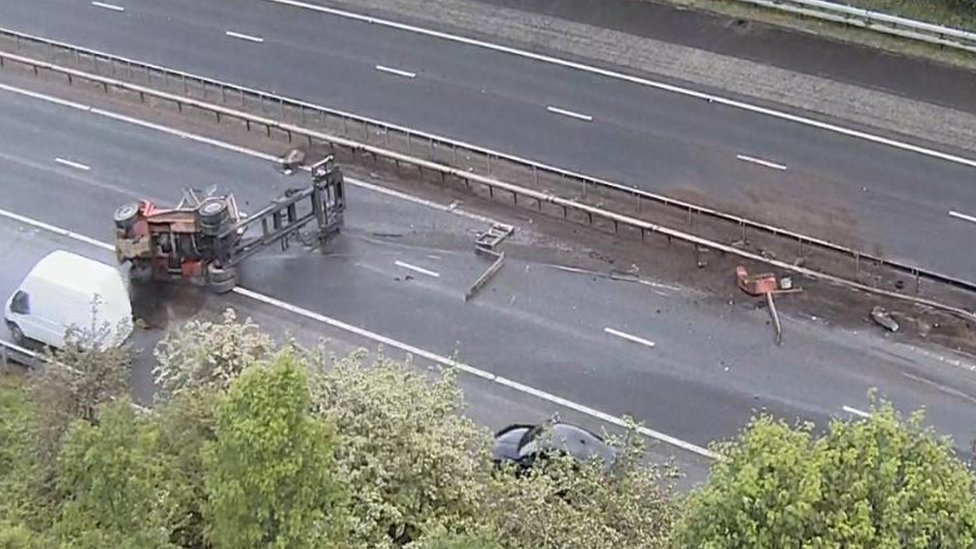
x=203, y=239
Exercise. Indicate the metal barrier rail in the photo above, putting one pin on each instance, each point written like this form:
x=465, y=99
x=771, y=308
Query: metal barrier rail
x=874, y=20
x=492, y=160
x=11, y=352
x=469, y=179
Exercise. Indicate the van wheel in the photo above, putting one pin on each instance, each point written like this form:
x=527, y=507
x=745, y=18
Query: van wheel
x=126, y=215
x=16, y=333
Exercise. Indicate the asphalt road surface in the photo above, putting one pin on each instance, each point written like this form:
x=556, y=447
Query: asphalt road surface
x=490, y=404
x=400, y=269
x=879, y=198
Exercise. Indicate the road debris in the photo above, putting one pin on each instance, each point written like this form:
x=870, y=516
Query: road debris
x=883, y=318
x=766, y=285
x=484, y=245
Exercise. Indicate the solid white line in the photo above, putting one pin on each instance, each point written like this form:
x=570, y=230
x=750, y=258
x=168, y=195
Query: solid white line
x=962, y=216
x=75, y=165
x=56, y=230
x=406, y=347
x=856, y=412
x=629, y=337
x=112, y=7
x=636, y=80
x=760, y=161
x=570, y=114
x=243, y=36
x=420, y=270
x=397, y=72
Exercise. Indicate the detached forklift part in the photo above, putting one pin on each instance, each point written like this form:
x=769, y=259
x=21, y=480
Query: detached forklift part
x=763, y=284
x=757, y=284
x=201, y=240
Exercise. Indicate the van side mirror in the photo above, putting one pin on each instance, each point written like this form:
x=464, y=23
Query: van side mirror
x=20, y=304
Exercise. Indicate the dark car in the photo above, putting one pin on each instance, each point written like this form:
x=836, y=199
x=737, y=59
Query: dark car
x=524, y=444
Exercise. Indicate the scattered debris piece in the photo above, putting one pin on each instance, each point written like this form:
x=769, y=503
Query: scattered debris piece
x=292, y=161
x=883, y=318
x=775, y=315
x=701, y=257
x=757, y=284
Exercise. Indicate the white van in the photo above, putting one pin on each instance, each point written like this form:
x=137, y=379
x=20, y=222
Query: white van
x=59, y=292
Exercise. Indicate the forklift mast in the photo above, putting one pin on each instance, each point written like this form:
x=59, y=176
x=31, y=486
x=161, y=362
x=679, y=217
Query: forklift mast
x=202, y=240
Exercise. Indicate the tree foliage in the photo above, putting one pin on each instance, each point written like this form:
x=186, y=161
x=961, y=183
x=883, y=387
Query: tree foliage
x=416, y=462
x=880, y=483
x=256, y=446
x=112, y=481
x=203, y=353
x=270, y=480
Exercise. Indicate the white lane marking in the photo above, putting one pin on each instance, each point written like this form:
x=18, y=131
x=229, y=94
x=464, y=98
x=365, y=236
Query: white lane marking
x=72, y=164
x=940, y=387
x=415, y=268
x=104, y=5
x=760, y=161
x=636, y=80
x=397, y=72
x=406, y=347
x=241, y=150
x=56, y=230
x=962, y=216
x=628, y=337
x=242, y=36
x=856, y=412
x=571, y=114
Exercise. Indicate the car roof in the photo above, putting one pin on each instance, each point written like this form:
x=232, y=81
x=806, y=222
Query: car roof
x=575, y=440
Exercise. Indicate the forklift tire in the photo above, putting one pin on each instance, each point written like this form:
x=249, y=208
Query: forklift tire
x=212, y=213
x=221, y=281
x=126, y=215
x=207, y=229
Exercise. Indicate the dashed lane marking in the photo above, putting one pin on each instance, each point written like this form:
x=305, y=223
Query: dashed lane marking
x=72, y=164
x=398, y=72
x=242, y=36
x=571, y=114
x=629, y=337
x=416, y=269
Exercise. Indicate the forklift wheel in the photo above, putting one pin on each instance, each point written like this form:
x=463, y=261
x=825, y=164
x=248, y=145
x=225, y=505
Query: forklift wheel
x=212, y=212
x=223, y=287
x=126, y=215
x=220, y=280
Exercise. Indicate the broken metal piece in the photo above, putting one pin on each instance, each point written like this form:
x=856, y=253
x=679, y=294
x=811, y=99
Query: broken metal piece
x=484, y=278
x=883, y=318
x=495, y=234
x=757, y=284
x=775, y=315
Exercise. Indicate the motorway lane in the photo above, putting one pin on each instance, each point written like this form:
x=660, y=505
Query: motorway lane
x=844, y=189
x=489, y=404
x=712, y=366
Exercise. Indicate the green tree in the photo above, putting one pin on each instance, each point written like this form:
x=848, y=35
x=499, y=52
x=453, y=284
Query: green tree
x=271, y=479
x=113, y=482
x=415, y=462
x=186, y=425
x=79, y=379
x=202, y=353
x=883, y=482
